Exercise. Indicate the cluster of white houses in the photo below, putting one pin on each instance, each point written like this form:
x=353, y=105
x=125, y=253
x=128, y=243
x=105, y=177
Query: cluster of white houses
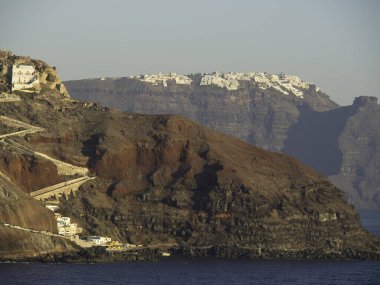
x=162, y=79
x=72, y=230
x=220, y=80
x=64, y=225
x=286, y=84
x=66, y=228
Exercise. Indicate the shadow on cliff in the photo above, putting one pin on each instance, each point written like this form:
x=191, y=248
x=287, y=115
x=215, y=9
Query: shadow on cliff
x=206, y=182
x=91, y=149
x=314, y=139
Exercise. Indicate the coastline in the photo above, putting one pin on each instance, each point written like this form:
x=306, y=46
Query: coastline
x=98, y=255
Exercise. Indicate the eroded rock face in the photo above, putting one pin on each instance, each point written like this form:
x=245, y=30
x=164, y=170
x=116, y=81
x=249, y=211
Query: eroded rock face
x=255, y=111
x=182, y=184
x=30, y=173
x=341, y=143
x=19, y=209
x=164, y=180
x=360, y=147
x=17, y=245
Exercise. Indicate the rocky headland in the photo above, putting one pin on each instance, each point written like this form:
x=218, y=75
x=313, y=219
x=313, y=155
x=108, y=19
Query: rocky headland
x=276, y=112
x=167, y=183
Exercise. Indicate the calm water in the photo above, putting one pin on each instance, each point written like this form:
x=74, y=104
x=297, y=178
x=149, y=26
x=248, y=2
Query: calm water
x=196, y=271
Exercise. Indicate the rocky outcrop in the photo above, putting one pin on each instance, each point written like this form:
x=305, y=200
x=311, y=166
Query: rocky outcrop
x=359, y=144
x=165, y=181
x=18, y=245
x=343, y=144
x=19, y=209
x=46, y=74
x=257, y=115
x=30, y=173
x=339, y=142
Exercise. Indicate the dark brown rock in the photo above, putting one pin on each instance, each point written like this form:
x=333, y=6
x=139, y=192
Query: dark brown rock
x=341, y=143
x=168, y=182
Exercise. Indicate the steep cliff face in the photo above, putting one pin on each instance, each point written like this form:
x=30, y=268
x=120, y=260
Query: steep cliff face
x=260, y=116
x=341, y=143
x=18, y=208
x=360, y=147
x=166, y=181
x=30, y=173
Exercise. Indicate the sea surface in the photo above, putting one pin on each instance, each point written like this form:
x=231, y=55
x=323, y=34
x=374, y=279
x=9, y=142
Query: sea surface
x=175, y=270
x=196, y=271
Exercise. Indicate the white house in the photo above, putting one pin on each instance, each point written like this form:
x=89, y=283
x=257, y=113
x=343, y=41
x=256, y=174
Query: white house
x=23, y=77
x=52, y=207
x=64, y=221
x=66, y=228
x=98, y=240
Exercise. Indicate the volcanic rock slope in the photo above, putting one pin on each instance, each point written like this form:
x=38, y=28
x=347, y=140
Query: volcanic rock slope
x=165, y=181
x=24, y=222
x=276, y=112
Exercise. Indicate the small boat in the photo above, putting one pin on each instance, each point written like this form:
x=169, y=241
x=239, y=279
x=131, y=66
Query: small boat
x=165, y=253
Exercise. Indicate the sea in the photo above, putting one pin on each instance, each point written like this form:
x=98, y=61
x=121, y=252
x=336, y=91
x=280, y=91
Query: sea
x=209, y=271
x=196, y=271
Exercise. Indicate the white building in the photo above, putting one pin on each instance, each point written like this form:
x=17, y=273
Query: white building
x=66, y=228
x=24, y=77
x=98, y=240
x=64, y=221
x=52, y=207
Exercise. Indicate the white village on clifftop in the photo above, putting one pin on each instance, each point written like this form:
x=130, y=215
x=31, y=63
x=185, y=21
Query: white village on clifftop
x=286, y=84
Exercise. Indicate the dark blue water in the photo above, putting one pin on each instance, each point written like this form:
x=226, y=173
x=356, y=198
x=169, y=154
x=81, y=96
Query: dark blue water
x=196, y=271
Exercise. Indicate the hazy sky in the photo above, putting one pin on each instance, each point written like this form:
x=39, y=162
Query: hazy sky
x=335, y=44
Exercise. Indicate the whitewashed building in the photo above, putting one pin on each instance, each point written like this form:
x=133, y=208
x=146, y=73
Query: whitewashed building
x=64, y=221
x=24, y=77
x=52, y=207
x=66, y=228
x=98, y=240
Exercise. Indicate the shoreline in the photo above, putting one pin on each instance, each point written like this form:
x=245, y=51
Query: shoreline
x=99, y=255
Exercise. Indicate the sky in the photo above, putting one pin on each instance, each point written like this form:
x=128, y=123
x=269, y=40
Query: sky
x=332, y=43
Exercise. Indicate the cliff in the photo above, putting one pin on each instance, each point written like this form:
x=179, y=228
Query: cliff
x=167, y=182
x=19, y=209
x=340, y=142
